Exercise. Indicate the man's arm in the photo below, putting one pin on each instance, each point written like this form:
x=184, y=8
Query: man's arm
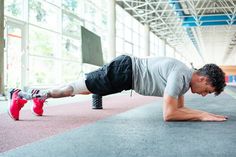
x=180, y=102
x=174, y=110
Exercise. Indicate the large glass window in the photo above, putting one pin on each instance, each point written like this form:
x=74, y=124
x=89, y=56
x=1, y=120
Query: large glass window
x=96, y=21
x=129, y=34
x=14, y=8
x=128, y=48
x=71, y=5
x=44, y=14
x=71, y=49
x=71, y=25
x=43, y=71
x=169, y=51
x=53, y=37
x=42, y=42
x=70, y=71
x=119, y=45
x=14, y=55
x=154, y=45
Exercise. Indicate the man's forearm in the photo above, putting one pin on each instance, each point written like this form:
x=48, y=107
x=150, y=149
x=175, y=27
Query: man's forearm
x=183, y=113
x=187, y=114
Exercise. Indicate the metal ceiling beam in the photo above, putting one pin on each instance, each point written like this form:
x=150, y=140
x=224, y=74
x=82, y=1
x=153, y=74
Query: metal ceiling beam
x=176, y=5
x=166, y=22
x=219, y=23
x=169, y=29
x=222, y=16
x=209, y=18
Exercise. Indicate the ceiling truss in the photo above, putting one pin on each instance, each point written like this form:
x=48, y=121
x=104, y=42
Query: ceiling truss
x=174, y=20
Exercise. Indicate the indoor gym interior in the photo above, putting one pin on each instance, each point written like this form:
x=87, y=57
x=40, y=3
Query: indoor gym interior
x=44, y=43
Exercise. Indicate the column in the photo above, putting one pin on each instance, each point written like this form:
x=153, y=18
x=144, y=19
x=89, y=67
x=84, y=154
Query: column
x=2, y=47
x=111, y=29
x=147, y=41
x=163, y=48
x=174, y=53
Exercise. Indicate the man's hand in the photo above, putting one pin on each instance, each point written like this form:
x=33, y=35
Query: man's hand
x=213, y=117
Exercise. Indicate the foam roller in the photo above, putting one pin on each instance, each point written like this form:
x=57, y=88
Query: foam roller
x=97, y=101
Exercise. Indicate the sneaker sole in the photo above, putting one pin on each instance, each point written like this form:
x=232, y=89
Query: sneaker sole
x=32, y=110
x=12, y=116
x=9, y=106
x=9, y=113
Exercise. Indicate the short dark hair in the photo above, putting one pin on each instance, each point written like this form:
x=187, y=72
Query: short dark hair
x=215, y=75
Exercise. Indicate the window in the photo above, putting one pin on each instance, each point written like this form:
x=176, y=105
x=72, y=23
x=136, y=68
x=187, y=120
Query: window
x=128, y=49
x=70, y=71
x=44, y=15
x=154, y=45
x=119, y=46
x=42, y=42
x=54, y=37
x=71, y=5
x=14, y=8
x=50, y=48
x=71, y=25
x=169, y=51
x=129, y=34
x=95, y=15
x=71, y=49
x=43, y=71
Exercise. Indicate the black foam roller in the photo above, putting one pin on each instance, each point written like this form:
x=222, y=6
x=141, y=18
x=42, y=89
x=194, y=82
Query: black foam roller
x=97, y=101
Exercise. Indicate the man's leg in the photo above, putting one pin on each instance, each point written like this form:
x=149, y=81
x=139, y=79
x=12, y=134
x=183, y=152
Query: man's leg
x=39, y=96
x=70, y=89
x=66, y=90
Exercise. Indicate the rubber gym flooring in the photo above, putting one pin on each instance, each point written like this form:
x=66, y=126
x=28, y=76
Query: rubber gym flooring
x=127, y=126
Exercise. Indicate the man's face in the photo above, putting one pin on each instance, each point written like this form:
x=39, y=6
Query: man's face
x=202, y=87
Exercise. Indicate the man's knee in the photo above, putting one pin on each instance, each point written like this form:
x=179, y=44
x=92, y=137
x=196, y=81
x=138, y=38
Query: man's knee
x=79, y=87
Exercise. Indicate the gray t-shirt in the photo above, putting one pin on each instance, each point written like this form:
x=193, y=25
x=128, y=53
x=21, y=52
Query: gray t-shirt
x=154, y=76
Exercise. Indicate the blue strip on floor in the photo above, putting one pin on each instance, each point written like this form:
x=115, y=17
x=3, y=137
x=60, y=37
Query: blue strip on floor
x=141, y=132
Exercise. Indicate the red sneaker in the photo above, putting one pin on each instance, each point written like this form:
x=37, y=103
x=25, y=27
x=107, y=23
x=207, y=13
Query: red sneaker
x=16, y=103
x=37, y=108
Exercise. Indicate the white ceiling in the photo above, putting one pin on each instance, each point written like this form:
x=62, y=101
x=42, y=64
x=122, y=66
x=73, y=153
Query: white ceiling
x=207, y=44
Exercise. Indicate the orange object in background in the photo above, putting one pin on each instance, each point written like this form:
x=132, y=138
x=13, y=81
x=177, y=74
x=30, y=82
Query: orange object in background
x=230, y=74
x=229, y=70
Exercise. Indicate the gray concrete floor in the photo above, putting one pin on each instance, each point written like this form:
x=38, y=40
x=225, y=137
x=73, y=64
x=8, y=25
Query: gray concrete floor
x=142, y=132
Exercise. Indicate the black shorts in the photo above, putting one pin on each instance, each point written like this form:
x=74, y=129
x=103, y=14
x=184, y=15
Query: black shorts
x=111, y=78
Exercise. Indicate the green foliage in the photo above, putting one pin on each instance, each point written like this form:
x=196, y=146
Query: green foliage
x=41, y=43
x=70, y=4
x=13, y=8
x=37, y=7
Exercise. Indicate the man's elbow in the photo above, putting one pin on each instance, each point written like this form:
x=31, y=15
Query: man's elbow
x=167, y=117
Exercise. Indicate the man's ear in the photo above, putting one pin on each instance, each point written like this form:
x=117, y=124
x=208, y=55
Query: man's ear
x=201, y=78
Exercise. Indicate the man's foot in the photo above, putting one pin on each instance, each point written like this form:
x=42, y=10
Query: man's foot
x=39, y=99
x=37, y=108
x=16, y=103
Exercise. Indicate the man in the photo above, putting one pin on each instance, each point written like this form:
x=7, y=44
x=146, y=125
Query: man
x=162, y=76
